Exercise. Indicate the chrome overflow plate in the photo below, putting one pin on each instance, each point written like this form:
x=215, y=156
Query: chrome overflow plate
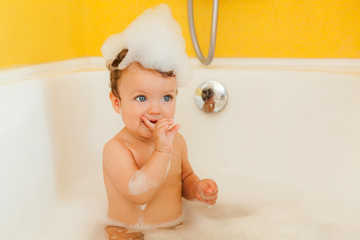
x=211, y=96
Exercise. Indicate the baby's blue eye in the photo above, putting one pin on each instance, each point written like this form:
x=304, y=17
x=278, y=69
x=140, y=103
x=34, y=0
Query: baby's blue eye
x=167, y=98
x=140, y=98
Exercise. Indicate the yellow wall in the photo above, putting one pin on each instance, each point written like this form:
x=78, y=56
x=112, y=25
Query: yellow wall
x=39, y=31
x=49, y=30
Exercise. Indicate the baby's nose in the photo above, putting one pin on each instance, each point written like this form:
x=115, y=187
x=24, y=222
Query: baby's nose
x=155, y=108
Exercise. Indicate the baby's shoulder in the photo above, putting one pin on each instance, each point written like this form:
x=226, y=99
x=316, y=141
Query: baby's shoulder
x=113, y=143
x=115, y=147
x=179, y=140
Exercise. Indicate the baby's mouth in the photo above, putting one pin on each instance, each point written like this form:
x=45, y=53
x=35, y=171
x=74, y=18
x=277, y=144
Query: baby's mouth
x=152, y=121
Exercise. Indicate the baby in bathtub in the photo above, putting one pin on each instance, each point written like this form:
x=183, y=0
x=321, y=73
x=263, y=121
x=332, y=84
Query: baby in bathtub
x=146, y=167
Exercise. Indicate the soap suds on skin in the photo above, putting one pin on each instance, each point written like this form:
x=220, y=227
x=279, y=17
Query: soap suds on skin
x=139, y=183
x=143, y=207
x=154, y=39
x=167, y=170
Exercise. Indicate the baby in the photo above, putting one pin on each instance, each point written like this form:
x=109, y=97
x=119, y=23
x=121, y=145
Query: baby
x=146, y=166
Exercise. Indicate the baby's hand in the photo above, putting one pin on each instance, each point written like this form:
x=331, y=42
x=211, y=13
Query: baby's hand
x=163, y=134
x=207, y=191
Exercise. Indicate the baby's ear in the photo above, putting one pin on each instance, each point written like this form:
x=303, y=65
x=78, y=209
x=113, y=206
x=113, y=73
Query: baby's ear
x=115, y=101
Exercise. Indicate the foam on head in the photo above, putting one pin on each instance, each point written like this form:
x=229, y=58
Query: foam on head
x=153, y=39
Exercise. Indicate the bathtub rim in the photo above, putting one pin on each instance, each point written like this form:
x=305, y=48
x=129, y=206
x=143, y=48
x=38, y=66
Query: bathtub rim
x=333, y=65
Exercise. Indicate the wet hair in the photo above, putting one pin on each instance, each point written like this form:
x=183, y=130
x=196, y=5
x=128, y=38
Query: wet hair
x=115, y=73
x=207, y=93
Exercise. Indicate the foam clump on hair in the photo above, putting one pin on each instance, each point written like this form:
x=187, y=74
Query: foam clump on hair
x=154, y=39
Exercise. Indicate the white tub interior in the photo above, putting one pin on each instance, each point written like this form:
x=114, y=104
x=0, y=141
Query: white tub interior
x=285, y=151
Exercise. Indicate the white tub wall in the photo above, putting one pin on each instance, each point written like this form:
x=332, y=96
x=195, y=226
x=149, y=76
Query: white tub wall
x=39, y=157
x=290, y=126
x=298, y=127
x=78, y=113
x=287, y=135
x=27, y=166
x=53, y=129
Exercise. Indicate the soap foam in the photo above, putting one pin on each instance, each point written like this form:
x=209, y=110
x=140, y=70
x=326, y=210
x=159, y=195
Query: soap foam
x=139, y=183
x=154, y=39
x=142, y=226
x=248, y=208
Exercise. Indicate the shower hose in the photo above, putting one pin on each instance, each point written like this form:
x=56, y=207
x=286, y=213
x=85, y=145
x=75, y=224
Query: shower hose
x=211, y=52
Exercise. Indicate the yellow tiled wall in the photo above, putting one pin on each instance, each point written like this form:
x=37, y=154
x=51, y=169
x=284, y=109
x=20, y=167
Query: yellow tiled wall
x=41, y=31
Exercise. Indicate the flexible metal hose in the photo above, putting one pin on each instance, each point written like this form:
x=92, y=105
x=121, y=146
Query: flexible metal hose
x=211, y=52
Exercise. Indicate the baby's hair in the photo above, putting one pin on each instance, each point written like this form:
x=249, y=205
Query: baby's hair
x=207, y=93
x=115, y=73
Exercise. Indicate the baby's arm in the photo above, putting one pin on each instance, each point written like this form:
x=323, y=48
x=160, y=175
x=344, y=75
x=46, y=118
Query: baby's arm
x=140, y=185
x=204, y=190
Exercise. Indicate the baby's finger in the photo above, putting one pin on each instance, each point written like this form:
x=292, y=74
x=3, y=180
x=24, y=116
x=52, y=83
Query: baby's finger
x=148, y=123
x=211, y=186
x=174, y=129
x=164, y=124
x=211, y=201
x=210, y=195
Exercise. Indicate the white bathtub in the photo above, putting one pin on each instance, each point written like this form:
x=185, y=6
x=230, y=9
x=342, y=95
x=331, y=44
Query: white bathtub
x=285, y=151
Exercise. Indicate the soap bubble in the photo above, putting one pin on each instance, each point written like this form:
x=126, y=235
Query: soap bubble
x=153, y=39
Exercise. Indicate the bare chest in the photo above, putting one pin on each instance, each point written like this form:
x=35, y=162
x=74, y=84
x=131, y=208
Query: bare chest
x=142, y=153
